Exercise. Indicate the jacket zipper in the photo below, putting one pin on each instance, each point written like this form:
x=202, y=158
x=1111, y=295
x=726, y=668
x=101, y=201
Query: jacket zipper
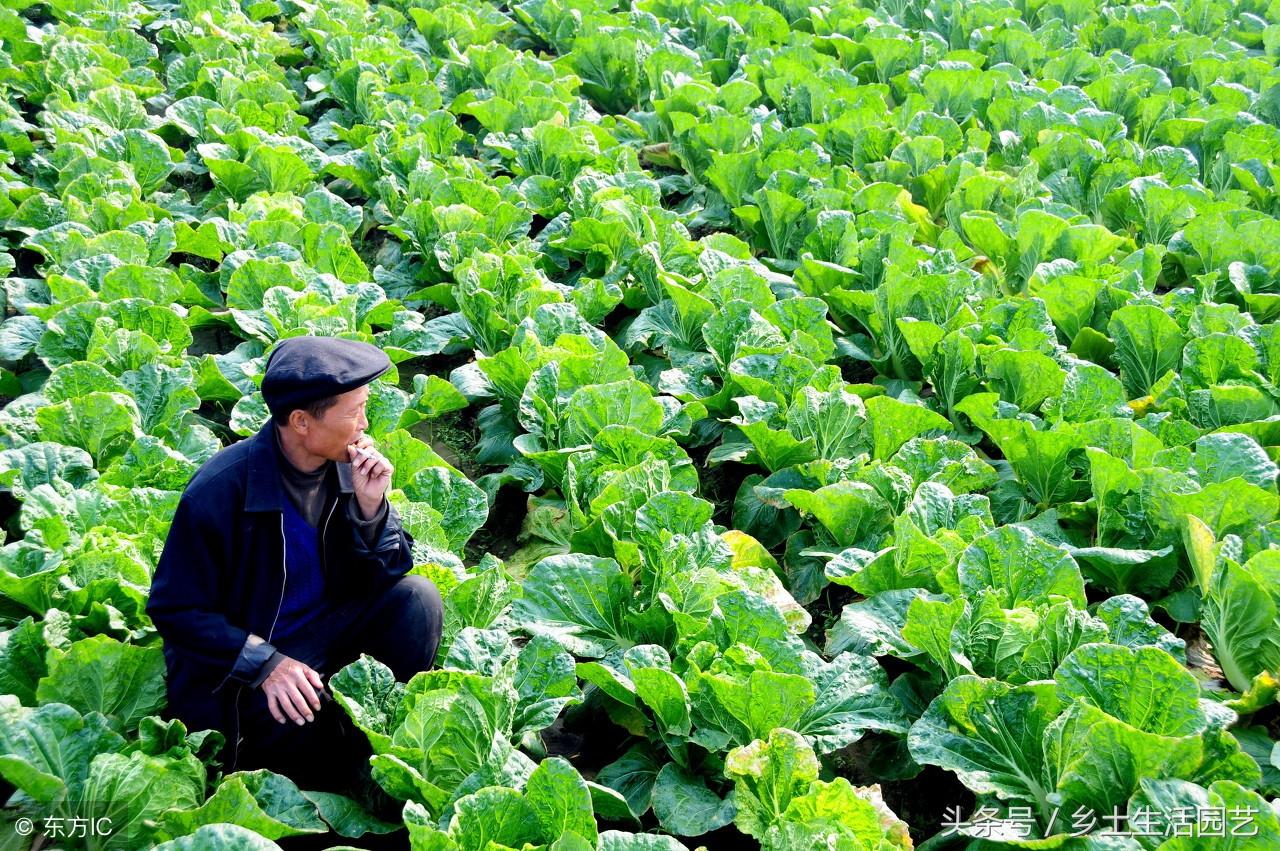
x=284, y=567
x=324, y=527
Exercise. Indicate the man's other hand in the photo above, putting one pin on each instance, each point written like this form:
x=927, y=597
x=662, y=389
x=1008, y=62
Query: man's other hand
x=292, y=691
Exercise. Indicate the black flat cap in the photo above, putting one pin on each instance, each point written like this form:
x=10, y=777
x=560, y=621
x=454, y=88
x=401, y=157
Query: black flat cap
x=301, y=370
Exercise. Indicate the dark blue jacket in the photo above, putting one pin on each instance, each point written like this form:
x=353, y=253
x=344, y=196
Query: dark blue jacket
x=217, y=588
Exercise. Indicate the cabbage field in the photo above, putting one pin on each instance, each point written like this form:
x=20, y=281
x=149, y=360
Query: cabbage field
x=831, y=425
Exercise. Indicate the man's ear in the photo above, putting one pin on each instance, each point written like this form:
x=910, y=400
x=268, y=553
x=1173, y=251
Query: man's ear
x=300, y=420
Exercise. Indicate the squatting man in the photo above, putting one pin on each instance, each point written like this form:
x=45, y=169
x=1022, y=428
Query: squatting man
x=285, y=562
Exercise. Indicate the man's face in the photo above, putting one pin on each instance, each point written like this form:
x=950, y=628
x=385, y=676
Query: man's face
x=338, y=426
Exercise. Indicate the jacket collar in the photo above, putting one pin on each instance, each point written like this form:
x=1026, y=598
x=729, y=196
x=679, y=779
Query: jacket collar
x=263, y=491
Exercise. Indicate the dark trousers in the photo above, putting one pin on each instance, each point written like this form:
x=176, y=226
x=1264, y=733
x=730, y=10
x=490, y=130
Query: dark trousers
x=399, y=627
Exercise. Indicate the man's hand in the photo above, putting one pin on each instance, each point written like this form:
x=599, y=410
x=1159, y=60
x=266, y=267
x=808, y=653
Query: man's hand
x=292, y=690
x=370, y=476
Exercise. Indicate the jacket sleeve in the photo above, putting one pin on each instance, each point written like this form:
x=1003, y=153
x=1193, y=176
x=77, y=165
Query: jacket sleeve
x=370, y=529
x=185, y=588
x=389, y=556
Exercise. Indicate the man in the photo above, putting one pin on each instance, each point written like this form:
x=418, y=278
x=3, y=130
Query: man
x=283, y=563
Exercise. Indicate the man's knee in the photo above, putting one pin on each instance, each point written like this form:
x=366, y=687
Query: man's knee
x=417, y=597
x=408, y=626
